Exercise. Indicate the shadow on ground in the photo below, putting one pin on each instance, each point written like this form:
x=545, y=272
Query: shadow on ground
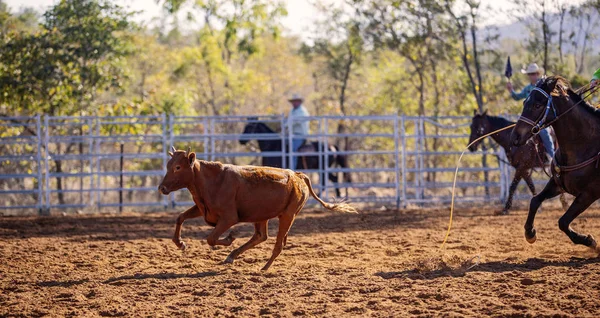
x=531, y=264
x=162, y=225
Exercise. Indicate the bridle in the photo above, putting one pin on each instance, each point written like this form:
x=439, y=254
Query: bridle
x=540, y=122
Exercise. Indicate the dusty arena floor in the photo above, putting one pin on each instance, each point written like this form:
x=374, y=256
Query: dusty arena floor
x=377, y=263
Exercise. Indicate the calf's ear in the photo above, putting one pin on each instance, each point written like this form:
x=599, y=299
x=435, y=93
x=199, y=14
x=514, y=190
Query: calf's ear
x=192, y=158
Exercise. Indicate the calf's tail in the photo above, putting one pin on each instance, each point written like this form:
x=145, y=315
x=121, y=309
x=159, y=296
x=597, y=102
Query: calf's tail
x=338, y=207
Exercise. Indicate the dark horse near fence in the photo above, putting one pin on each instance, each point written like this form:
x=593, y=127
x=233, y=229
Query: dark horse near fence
x=303, y=162
x=575, y=167
x=524, y=159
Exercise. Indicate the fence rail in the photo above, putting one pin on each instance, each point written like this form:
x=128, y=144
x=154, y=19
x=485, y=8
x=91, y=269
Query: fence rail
x=95, y=163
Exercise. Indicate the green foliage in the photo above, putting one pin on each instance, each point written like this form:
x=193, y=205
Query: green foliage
x=61, y=68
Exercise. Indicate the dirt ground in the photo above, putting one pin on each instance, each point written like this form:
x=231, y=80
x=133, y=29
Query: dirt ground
x=375, y=264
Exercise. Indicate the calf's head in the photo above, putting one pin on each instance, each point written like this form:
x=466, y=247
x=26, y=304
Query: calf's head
x=179, y=171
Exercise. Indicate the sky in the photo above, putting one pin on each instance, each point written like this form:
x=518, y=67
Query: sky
x=301, y=13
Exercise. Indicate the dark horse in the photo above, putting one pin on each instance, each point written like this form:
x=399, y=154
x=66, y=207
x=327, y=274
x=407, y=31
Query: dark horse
x=524, y=159
x=303, y=162
x=575, y=166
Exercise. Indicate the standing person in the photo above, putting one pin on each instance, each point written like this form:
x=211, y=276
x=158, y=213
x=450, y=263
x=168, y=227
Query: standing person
x=534, y=72
x=299, y=127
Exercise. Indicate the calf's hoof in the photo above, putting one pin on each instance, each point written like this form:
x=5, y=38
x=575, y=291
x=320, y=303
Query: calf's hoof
x=228, y=260
x=531, y=236
x=182, y=246
x=230, y=237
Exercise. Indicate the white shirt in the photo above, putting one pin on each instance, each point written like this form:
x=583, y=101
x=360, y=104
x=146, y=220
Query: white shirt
x=299, y=127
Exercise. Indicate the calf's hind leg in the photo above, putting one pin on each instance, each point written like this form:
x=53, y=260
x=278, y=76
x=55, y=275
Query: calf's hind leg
x=260, y=235
x=222, y=226
x=285, y=223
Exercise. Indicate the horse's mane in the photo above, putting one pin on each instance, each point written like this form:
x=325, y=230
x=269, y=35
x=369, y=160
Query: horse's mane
x=499, y=121
x=562, y=87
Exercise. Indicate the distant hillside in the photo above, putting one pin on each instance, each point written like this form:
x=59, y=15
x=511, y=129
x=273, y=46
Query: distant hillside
x=520, y=32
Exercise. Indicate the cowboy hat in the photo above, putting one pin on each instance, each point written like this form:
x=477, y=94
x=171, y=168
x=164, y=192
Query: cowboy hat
x=532, y=69
x=295, y=97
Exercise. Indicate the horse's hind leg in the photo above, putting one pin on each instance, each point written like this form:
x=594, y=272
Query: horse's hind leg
x=550, y=191
x=333, y=177
x=511, y=192
x=580, y=204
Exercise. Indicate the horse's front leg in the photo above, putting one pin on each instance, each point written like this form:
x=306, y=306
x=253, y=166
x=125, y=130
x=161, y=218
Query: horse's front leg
x=550, y=191
x=511, y=192
x=580, y=204
x=529, y=182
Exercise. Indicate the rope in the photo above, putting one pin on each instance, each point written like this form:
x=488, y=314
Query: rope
x=456, y=174
x=581, y=91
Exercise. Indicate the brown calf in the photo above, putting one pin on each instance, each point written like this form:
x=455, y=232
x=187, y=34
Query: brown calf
x=226, y=195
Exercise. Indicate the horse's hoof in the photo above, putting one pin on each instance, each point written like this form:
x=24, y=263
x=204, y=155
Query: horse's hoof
x=228, y=260
x=183, y=246
x=531, y=237
x=593, y=245
x=503, y=212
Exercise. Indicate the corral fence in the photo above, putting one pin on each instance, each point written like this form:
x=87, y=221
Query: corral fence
x=92, y=163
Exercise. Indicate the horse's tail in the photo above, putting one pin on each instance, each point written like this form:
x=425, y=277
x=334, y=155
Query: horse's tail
x=338, y=207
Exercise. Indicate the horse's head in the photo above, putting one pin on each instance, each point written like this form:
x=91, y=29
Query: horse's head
x=549, y=98
x=480, y=125
x=253, y=127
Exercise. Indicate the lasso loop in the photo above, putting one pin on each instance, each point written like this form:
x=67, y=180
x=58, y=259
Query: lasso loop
x=456, y=174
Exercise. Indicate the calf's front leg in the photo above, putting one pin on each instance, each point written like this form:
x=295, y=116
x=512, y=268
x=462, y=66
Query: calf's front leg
x=191, y=213
x=223, y=225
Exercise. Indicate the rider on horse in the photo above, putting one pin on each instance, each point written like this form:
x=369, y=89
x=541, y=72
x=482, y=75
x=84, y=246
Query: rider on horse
x=534, y=72
x=299, y=127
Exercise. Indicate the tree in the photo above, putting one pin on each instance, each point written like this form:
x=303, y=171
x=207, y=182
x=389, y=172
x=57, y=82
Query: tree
x=59, y=69
x=339, y=44
x=537, y=16
x=231, y=33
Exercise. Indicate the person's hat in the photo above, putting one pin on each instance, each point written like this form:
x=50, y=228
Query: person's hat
x=532, y=69
x=295, y=97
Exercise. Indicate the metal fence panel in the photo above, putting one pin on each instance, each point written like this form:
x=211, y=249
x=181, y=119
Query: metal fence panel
x=110, y=163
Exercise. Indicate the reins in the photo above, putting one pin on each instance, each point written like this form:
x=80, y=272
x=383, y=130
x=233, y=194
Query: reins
x=530, y=122
x=540, y=124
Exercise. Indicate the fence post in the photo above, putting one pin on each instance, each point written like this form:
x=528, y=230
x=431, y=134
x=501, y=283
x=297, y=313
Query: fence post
x=98, y=161
x=92, y=153
x=321, y=142
x=325, y=175
x=282, y=132
x=396, y=160
x=167, y=135
x=121, y=167
x=47, y=164
x=403, y=140
x=40, y=177
x=212, y=139
x=289, y=145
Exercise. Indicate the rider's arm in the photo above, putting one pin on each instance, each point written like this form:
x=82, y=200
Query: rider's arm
x=521, y=95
